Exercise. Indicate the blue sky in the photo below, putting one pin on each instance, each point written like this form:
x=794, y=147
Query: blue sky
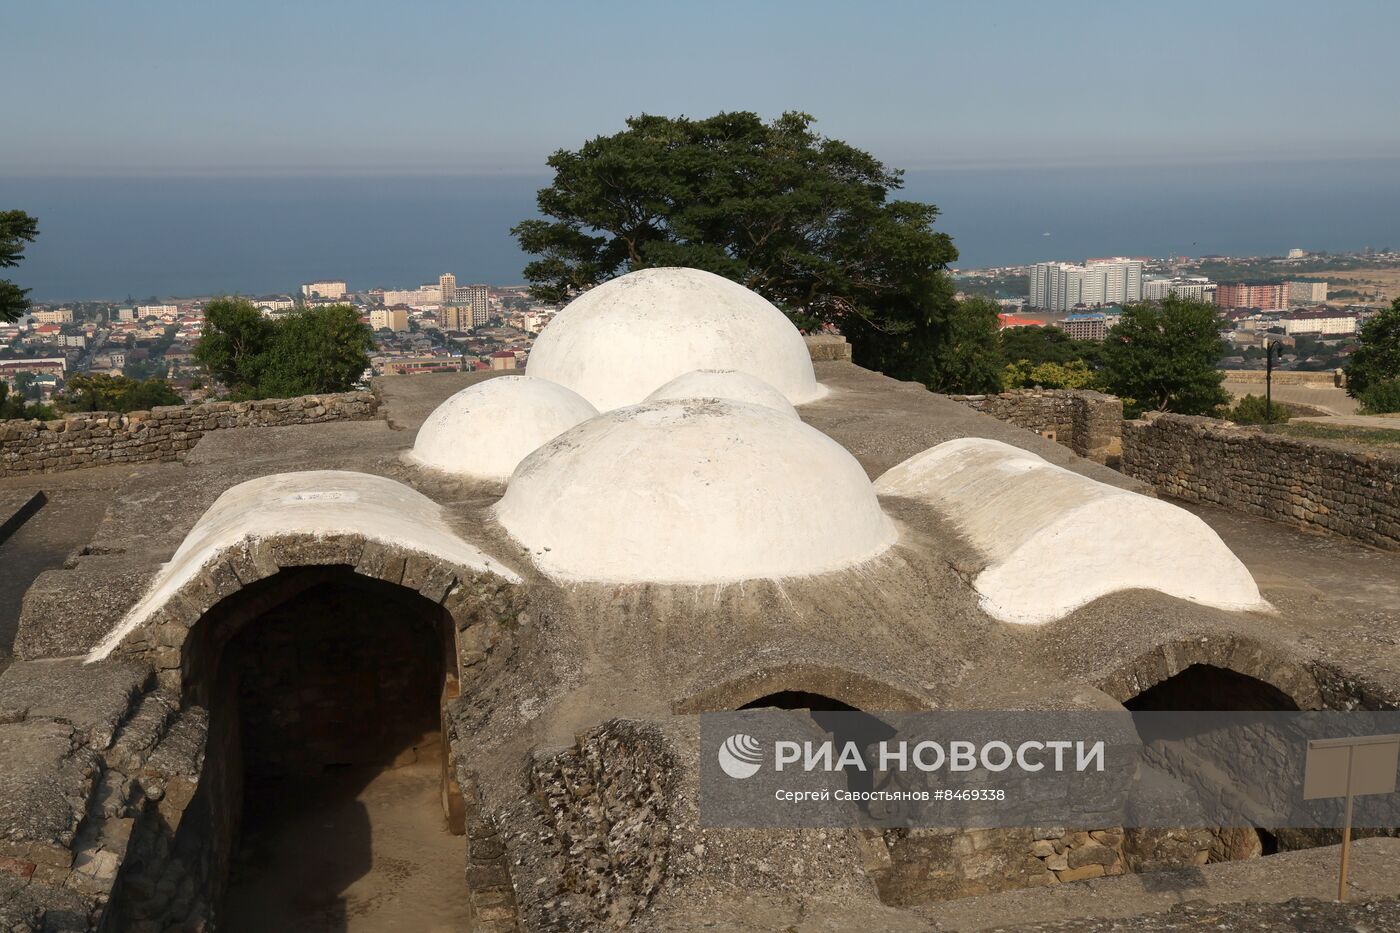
x=252, y=87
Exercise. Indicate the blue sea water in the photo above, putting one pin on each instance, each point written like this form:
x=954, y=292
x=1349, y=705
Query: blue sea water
x=142, y=237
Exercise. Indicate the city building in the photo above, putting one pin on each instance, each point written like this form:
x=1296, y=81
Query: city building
x=145, y=311
x=455, y=317
x=422, y=296
x=1093, y=326
x=504, y=359
x=1122, y=278
x=1322, y=321
x=126, y=314
x=271, y=304
x=1306, y=293
x=1005, y=321
x=327, y=288
x=1248, y=295
x=447, y=285
x=1296, y=253
x=49, y=366
x=54, y=316
x=1195, y=287
x=1060, y=286
x=478, y=299
x=395, y=319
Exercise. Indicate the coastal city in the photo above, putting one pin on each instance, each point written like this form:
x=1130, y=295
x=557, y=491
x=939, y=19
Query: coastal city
x=1309, y=305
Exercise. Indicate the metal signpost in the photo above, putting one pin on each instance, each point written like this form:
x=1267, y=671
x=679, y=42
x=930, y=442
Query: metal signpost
x=1350, y=767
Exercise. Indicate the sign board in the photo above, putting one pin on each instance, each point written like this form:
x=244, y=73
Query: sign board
x=1352, y=766
x=1368, y=763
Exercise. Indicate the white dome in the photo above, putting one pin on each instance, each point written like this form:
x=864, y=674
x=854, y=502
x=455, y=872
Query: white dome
x=616, y=343
x=486, y=429
x=725, y=383
x=693, y=491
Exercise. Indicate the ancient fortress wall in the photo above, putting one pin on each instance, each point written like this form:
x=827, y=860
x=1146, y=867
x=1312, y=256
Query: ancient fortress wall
x=1087, y=422
x=164, y=433
x=1303, y=483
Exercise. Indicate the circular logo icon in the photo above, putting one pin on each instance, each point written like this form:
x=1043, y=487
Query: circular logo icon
x=740, y=756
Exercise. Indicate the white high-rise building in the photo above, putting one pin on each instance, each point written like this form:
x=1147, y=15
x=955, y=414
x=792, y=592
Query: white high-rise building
x=1060, y=286
x=448, y=283
x=1122, y=278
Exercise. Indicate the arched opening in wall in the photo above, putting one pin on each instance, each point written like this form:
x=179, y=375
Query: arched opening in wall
x=324, y=775
x=1179, y=747
x=842, y=721
x=1207, y=687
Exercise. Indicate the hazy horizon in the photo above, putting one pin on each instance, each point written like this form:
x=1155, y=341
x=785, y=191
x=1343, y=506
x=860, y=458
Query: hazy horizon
x=173, y=148
x=114, y=237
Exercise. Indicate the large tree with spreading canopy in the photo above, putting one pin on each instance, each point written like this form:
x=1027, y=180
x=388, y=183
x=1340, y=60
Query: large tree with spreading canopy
x=806, y=221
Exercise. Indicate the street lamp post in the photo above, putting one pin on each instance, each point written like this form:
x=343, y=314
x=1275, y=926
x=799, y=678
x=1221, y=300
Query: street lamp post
x=1271, y=349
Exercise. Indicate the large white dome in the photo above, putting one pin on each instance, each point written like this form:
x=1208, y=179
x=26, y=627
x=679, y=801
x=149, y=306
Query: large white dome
x=618, y=342
x=693, y=491
x=486, y=429
x=725, y=383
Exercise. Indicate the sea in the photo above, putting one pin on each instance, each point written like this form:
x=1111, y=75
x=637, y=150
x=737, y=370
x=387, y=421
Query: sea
x=143, y=237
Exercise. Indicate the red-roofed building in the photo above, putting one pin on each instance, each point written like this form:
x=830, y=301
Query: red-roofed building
x=1010, y=320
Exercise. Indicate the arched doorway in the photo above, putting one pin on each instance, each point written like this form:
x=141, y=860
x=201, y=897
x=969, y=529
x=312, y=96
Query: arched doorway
x=323, y=783
x=1205, y=688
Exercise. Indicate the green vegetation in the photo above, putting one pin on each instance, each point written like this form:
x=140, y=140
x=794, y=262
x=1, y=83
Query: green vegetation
x=13, y=403
x=101, y=392
x=968, y=359
x=16, y=229
x=1007, y=285
x=1373, y=372
x=1162, y=357
x=1024, y=374
x=1385, y=438
x=306, y=352
x=1254, y=409
x=806, y=221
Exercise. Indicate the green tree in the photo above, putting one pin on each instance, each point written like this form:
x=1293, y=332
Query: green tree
x=1377, y=358
x=806, y=221
x=1163, y=357
x=1047, y=344
x=16, y=229
x=1023, y=374
x=101, y=392
x=234, y=344
x=1381, y=397
x=968, y=358
x=13, y=404
x=313, y=350
x=319, y=349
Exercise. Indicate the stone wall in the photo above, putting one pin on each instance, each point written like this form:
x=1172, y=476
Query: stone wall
x=165, y=433
x=1087, y=422
x=824, y=347
x=603, y=801
x=1335, y=378
x=1304, y=483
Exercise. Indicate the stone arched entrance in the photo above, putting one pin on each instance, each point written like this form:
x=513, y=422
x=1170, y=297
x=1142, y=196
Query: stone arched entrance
x=325, y=789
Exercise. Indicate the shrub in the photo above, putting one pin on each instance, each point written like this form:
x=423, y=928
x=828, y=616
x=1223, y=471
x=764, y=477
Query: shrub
x=1381, y=398
x=1252, y=410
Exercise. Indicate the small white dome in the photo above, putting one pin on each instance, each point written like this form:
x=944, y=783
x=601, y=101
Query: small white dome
x=618, y=342
x=693, y=491
x=486, y=429
x=725, y=383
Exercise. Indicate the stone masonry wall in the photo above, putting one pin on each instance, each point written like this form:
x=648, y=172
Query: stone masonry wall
x=164, y=433
x=1087, y=422
x=1299, y=482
